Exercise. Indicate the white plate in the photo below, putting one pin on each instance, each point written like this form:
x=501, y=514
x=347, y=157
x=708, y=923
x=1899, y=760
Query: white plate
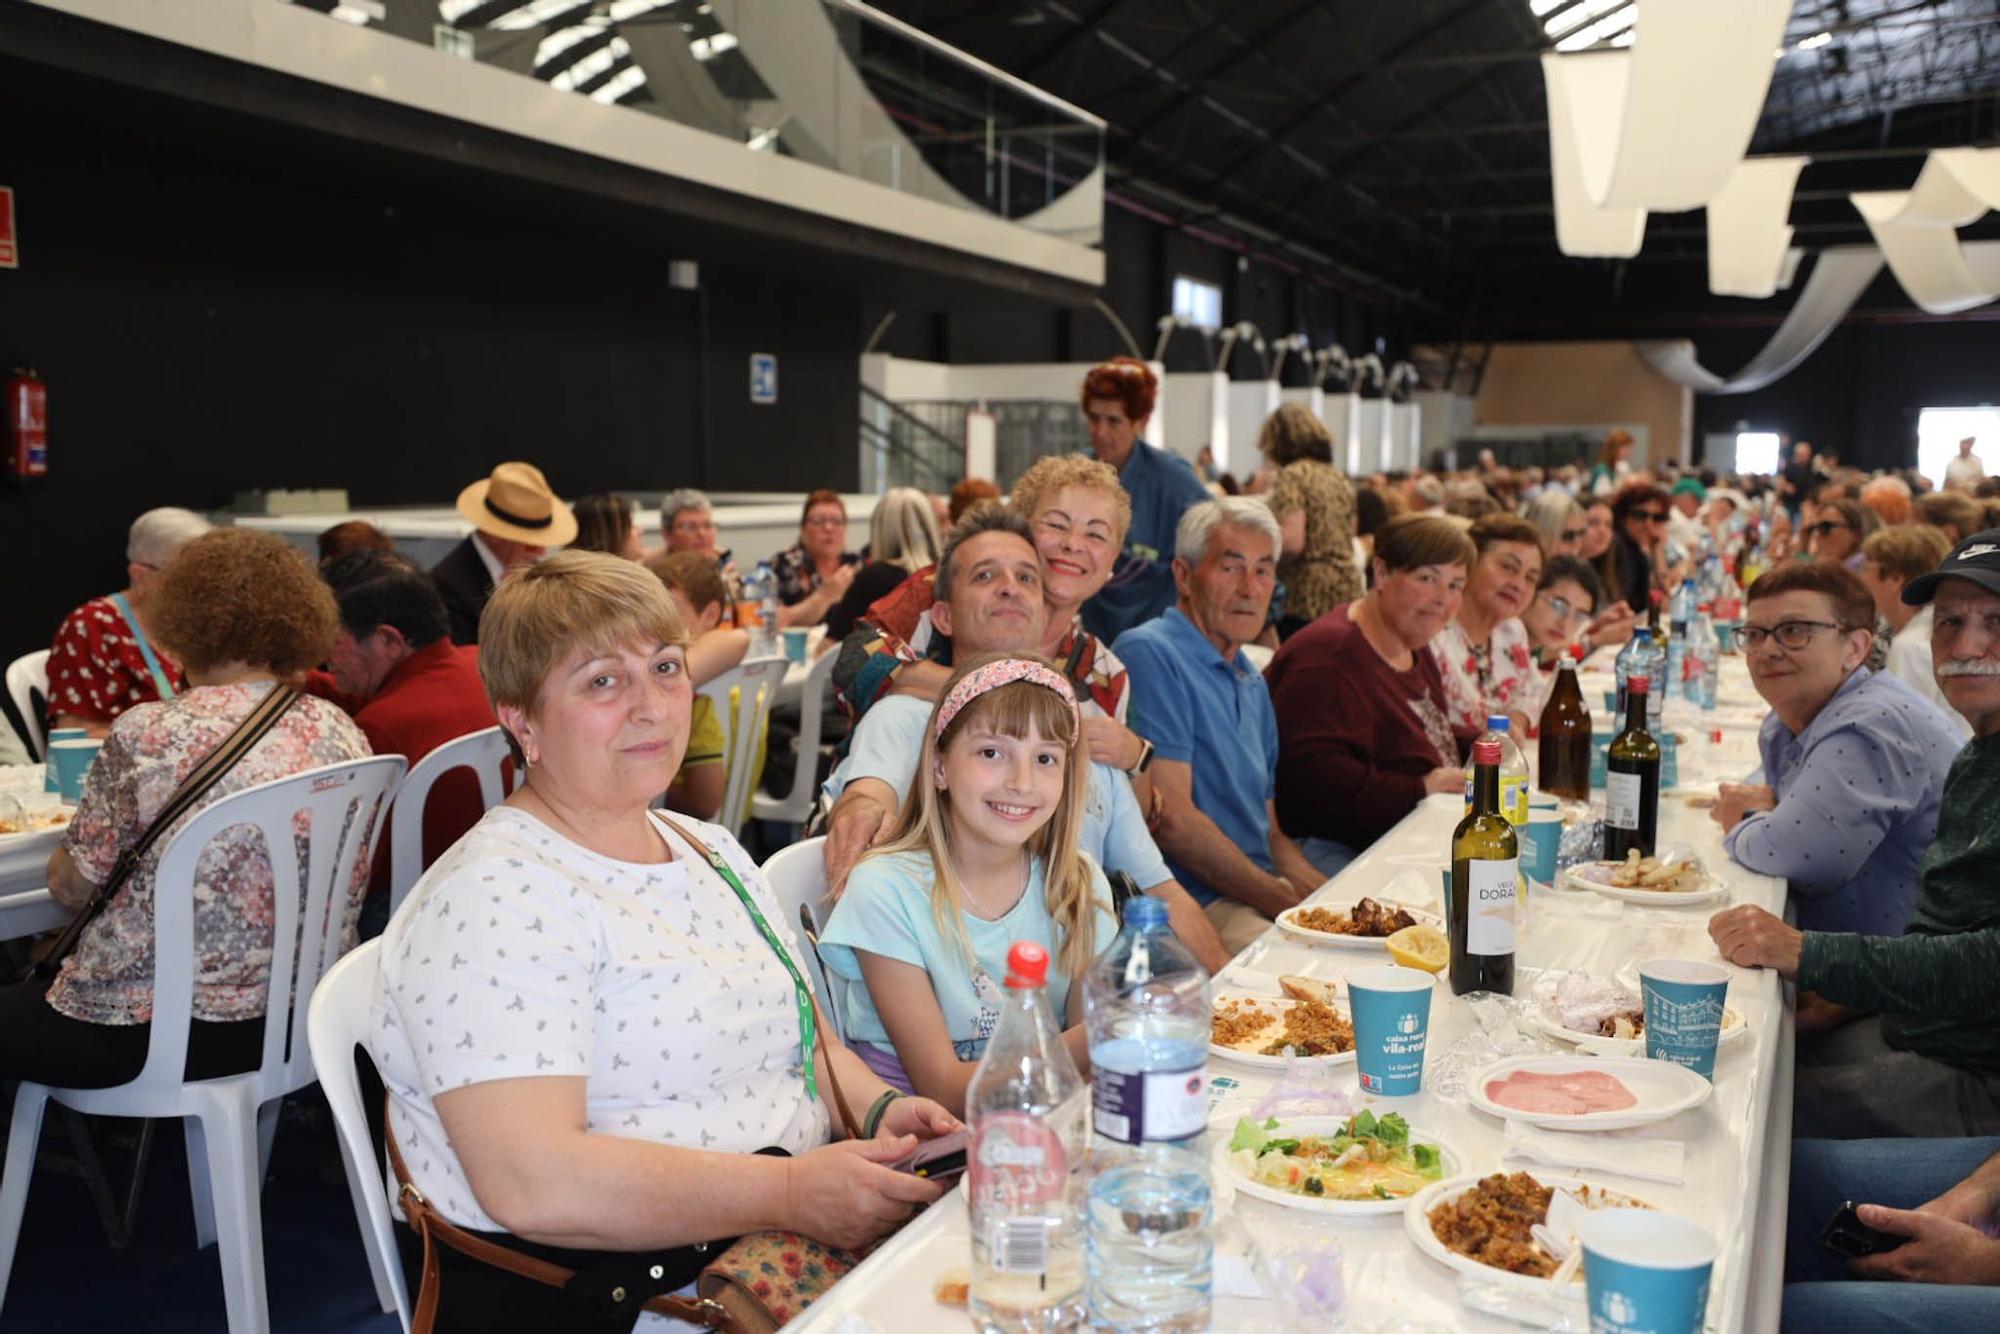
x=1583, y=876
x=1417, y=1222
x=1338, y=941
x=1662, y=1088
x=1280, y=1004
x=1733, y=1028
x=1227, y=1170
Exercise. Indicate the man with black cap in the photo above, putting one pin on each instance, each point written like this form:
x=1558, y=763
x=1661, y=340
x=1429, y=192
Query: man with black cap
x=1930, y=1064
x=516, y=519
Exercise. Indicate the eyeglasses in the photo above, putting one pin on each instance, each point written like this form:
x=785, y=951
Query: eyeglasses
x=1650, y=516
x=1562, y=608
x=1789, y=634
x=1825, y=527
x=827, y=521
x=1572, y=534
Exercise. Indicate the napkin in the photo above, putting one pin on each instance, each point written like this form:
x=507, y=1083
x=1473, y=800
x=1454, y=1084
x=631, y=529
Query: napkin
x=1604, y=1151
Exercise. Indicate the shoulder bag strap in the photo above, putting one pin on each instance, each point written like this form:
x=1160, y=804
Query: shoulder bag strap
x=810, y=1021
x=432, y=1227
x=240, y=741
x=161, y=681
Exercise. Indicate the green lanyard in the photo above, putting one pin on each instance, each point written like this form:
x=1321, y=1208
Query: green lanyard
x=799, y=986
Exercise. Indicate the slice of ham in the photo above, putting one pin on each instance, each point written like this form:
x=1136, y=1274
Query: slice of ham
x=1576, y=1094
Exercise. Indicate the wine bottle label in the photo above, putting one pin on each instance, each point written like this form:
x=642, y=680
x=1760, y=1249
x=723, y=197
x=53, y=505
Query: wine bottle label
x=1621, y=800
x=1490, y=927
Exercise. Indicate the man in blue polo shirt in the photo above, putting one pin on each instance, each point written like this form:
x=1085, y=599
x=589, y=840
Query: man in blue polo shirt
x=1118, y=398
x=1194, y=694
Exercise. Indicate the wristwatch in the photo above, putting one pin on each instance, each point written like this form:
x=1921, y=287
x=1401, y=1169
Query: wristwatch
x=1145, y=758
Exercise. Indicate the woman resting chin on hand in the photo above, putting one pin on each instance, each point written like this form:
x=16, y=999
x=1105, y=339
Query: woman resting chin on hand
x=586, y=1031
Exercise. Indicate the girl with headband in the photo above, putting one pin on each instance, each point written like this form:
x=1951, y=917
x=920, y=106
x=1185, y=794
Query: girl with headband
x=983, y=854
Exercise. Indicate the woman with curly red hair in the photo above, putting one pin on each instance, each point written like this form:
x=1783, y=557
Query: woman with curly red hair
x=1118, y=397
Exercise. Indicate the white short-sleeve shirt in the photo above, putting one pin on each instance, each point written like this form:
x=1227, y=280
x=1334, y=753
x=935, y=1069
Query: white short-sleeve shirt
x=521, y=953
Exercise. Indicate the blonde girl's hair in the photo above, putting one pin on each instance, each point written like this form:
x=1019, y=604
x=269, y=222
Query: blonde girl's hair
x=1016, y=710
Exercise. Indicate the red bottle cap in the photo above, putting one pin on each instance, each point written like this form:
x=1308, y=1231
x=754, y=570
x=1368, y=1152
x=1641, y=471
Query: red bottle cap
x=1486, y=752
x=1638, y=684
x=1576, y=651
x=1027, y=965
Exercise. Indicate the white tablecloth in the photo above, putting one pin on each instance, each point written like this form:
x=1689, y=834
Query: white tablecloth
x=25, y=906
x=1737, y=1143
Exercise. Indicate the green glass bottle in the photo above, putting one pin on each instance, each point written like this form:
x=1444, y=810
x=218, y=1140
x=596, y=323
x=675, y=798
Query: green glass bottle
x=1485, y=885
x=1632, y=781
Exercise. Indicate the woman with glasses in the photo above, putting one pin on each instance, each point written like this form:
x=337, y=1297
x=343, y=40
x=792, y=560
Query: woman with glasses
x=1561, y=612
x=1483, y=655
x=1314, y=505
x=1634, y=563
x=1838, y=529
x=813, y=574
x=1561, y=522
x=902, y=539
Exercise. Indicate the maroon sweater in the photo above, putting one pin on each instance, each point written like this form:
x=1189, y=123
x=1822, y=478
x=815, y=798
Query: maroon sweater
x=1355, y=736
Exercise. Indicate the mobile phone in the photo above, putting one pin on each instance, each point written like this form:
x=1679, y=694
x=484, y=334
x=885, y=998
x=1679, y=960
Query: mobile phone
x=1847, y=1235
x=935, y=1159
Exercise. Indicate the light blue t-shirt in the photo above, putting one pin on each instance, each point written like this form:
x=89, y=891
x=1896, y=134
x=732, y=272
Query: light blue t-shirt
x=890, y=737
x=886, y=911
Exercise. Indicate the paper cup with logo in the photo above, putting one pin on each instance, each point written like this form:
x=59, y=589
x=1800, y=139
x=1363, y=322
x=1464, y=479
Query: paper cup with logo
x=1391, y=1006
x=1683, y=1001
x=51, y=782
x=1645, y=1272
x=795, y=644
x=72, y=758
x=1541, y=840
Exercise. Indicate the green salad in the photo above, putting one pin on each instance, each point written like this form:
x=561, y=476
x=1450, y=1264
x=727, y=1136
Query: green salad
x=1371, y=1158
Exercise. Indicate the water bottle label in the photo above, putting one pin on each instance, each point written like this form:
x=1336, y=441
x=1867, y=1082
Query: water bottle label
x=1621, y=800
x=1017, y=1162
x=1020, y=1245
x=1160, y=1105
x=1490, y=927
x=1514, y=799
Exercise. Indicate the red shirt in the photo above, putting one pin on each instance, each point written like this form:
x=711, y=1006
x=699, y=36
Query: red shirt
x=431, y=697
x=1356, y=737
x=96, y=670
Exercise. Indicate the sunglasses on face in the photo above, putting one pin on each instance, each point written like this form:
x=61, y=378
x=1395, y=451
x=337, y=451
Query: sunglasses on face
x=1650, y=516
x=1825, y=527
x=1789, y=634
x=1573, y=534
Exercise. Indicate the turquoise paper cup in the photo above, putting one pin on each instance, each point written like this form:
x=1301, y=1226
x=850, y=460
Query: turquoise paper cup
x=795, y=645
x=1540, y=842
x=1683, y=1001
x=1391, y=1006
x=50, y=781
x=72, y=758
x=1645, y=1272
x=1600, y=747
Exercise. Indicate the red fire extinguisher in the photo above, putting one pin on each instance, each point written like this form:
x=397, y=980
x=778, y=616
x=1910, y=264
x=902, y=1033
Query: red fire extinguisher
x=27, y=407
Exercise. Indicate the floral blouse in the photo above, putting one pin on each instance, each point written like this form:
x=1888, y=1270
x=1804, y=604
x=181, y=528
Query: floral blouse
x=151, y=748
x=798, y=578
x=96, y=670
x=1483, y=680
x=1323, y=575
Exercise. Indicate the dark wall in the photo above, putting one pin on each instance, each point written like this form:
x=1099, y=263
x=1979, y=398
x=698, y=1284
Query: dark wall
x=212, y=317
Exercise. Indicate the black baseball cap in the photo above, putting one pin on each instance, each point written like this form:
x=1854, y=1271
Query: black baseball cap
x=1976, y=558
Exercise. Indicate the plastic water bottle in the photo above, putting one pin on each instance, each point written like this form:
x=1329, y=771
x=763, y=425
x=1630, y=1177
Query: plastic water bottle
x=1026, y=1108
x=1513, y=772
x=762, y=587
x=1634, y=657
x=1147, y=1251
x=1704, y=658
x=1654, y=672
x=1680, y=619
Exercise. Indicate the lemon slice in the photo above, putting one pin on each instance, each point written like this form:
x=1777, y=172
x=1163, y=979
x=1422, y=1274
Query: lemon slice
x=1420, y=946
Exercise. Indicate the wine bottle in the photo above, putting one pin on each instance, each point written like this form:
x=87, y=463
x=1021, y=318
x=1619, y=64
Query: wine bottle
x=1632, y=781
x=1564, y=759
x=1485, y=884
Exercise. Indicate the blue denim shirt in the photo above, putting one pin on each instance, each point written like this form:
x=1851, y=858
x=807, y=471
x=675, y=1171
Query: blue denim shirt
x=1858, y=795
x=1162, y=487
x=1214, y=715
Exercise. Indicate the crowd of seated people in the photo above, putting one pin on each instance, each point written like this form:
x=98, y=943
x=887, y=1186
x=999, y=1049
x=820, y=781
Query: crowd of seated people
x=1074, y=649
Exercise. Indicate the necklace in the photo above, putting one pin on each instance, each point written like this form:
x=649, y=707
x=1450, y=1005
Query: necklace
x=979, y=909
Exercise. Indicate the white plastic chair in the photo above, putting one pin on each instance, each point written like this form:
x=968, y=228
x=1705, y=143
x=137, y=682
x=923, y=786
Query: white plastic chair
x=230, y=1122
x=742, y=697
x=484, y=752
x=797, y=876
x=336, y=1024
x=28, y=676
x=797, y=807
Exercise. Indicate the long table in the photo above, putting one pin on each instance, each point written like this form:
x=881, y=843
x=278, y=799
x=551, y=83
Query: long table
x=1738, y=1143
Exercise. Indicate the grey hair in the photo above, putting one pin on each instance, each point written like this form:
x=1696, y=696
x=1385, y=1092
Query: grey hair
x=1548, y=511
x=1429, y=490
x=158, y=534
x=904, y=530
x=676, y=502
x=1198, y=525
x=979, y=519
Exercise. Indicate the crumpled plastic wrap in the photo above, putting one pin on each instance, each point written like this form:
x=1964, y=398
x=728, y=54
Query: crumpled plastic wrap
x=1307, y=1088
x=1502, y=1030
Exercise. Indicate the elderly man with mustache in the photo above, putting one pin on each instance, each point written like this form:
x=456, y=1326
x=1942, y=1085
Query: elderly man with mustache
x=1929, y=1065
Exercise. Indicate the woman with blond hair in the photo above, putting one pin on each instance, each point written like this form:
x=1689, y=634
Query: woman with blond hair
x=902, y=539
x=1314, y=505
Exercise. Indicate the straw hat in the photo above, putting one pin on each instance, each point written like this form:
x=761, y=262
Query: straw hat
x=516, y=503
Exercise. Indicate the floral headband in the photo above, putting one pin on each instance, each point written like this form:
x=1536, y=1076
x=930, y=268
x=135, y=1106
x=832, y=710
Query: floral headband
x=992, y=676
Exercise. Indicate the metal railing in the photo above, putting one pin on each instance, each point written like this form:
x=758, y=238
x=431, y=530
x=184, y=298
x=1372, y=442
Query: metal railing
x=901, y=448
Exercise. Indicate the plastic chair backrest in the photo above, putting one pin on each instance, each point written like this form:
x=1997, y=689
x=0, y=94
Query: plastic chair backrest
x=742, y=697
x=797, y=877
x=485, y=753
x=27, y=677
x=797, y=807
x=344, y=805
x=336, y=1023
